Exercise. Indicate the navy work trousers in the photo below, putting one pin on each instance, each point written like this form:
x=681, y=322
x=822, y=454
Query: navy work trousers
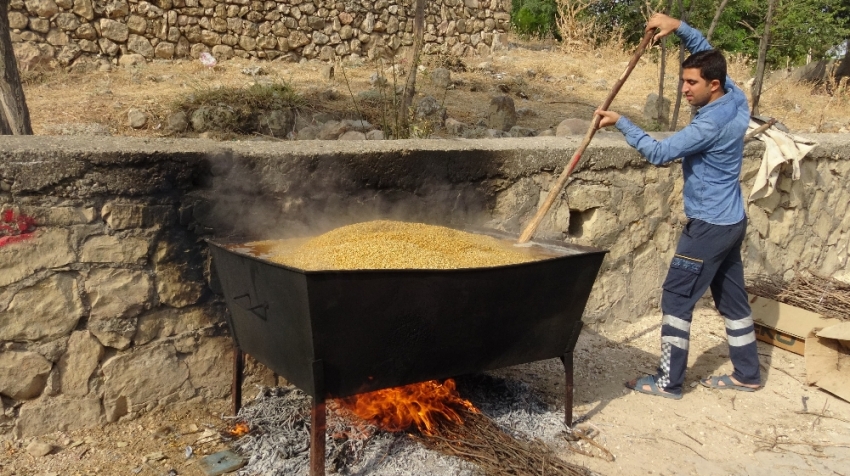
x=707, y=256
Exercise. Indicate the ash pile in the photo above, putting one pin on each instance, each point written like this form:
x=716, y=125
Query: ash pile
x=509, y=430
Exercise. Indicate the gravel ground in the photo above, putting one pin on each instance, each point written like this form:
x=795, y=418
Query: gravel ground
x=708, y=432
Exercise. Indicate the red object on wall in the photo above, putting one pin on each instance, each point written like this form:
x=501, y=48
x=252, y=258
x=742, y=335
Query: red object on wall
x=15, y=228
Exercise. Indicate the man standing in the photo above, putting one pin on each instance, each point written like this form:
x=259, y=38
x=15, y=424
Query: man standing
x=709, y=250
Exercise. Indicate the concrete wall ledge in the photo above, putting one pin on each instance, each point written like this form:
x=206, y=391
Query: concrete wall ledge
x=108, y=306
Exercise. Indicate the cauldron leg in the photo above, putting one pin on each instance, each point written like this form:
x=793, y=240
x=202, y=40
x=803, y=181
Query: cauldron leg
x=567, y=359
x=318, y=422
x=317, y=438
x=236, y=386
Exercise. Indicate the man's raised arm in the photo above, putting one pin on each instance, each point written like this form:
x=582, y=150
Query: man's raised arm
x=691, y=37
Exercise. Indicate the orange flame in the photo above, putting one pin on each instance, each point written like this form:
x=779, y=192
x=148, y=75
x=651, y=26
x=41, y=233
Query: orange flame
x=239, y=429
x=419, y=404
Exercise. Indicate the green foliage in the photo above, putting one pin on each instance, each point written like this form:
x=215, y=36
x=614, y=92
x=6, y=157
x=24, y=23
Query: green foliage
x=622, y=16
x=800, y=27
x=535, y=17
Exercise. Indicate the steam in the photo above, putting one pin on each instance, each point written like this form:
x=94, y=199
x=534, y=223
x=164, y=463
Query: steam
x=294, y=195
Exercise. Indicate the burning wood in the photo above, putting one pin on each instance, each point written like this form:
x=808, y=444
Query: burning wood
x=423, y=405
x=430, y=413
x=238, y=430
x=480, y=440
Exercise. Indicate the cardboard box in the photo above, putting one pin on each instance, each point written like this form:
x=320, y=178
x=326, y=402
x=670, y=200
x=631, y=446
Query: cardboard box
x=780, y=339
x=784, y=326
x=828, y=359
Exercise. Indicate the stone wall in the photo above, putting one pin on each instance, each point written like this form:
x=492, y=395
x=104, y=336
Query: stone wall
x=108, y=305
x=65, y=30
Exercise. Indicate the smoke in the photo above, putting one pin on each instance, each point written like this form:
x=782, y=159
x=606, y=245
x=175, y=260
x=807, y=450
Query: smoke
x=275, y=197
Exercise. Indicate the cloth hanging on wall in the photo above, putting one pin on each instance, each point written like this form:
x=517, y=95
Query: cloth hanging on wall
x=779, y=147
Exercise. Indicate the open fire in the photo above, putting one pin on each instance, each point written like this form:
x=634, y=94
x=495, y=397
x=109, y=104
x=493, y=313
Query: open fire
x=422, y=405
x=239, y=429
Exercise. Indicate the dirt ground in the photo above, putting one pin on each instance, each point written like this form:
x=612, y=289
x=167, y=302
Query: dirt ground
x=786, y=428
x=772, y=431
x=548, y=84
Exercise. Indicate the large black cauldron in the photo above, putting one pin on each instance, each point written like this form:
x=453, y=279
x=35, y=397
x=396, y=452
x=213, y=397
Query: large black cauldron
x=338, y=333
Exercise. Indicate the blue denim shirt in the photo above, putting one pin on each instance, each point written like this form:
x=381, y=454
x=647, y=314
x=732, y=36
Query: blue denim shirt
x=711, y=147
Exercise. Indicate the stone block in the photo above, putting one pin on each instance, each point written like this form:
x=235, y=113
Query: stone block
x=122, y=215
x=572, y=127
x=42, y=8
x=441, y=78
x=137, y=24
x=502, y=113
x=114, y=30
x=758, y=220
x=824, y=224
x=114, y=249
x=48, y=248
x=586, y=196
x=128, y=375
x=18, y=21
x=23, y=374
x=516, y=203
x=165, y=322
x=175, y=286
x=61, y=216
x=210, y=369
x=47, y=310
x=51, y=350
x=650, y=109
x=78, y=363
x=645, y=278
x=51, y=414
x=118, y=293
x=136, y=118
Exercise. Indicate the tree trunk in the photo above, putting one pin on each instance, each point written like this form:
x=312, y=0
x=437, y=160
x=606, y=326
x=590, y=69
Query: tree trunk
x=685, y=17
x=715, y=20
x=415, y=55
x=661, y=117
x=14, y=115
x=765, y=40
x=844, y=66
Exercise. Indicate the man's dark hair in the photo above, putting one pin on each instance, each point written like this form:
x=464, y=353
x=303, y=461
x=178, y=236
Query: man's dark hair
x=710, y=63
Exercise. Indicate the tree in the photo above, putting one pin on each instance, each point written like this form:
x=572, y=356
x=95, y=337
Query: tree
x=844, y=67
x=763, y=44
x=14, y=115
x=415, y=56
x=800, y=28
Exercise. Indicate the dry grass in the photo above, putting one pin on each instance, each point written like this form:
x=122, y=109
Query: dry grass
x=551, y=83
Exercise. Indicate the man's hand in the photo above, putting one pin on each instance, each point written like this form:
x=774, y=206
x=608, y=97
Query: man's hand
x=607, y=118
x=665, y=25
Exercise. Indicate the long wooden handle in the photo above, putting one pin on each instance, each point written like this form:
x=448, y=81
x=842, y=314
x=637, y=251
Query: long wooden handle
x=594, y=125
x=767, y=125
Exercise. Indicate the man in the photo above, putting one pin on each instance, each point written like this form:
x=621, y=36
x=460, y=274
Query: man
x=709, y=250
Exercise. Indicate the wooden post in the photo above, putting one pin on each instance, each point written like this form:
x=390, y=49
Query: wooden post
x=567, y=360
x=14, y=115
x=318, y=421
x=236, y=385
x=763, y=44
